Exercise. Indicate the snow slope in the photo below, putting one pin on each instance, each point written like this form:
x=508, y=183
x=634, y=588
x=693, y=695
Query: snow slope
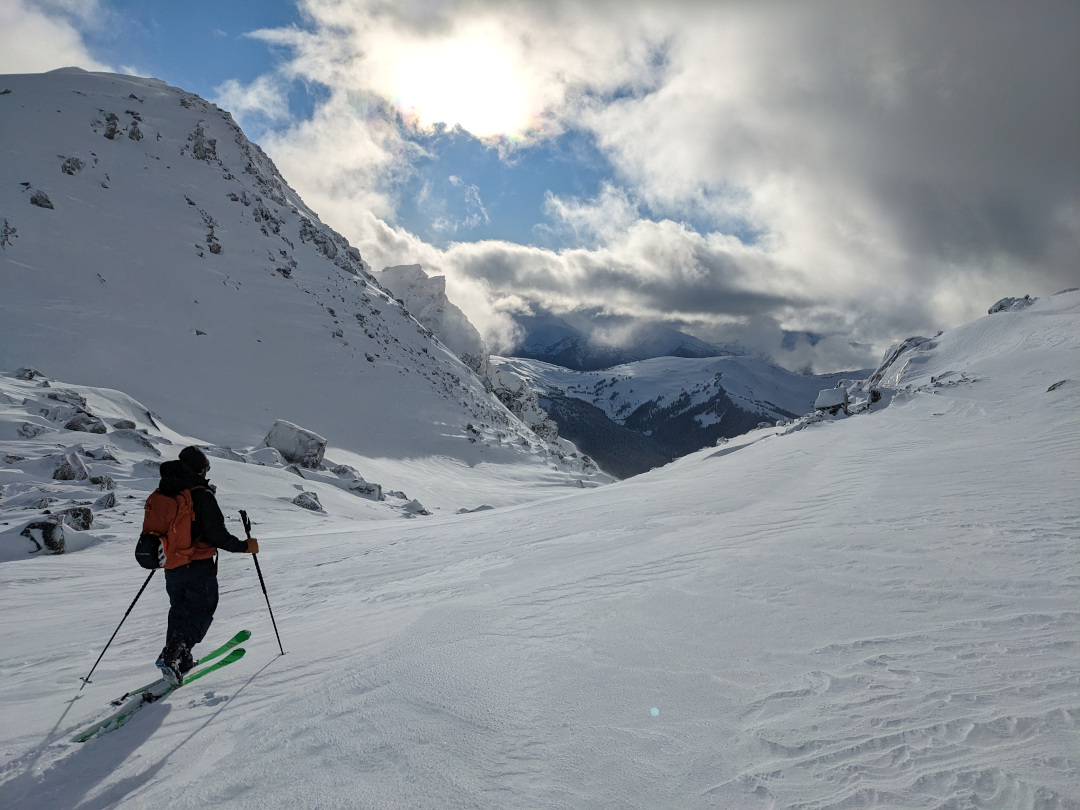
x=177, y=266
x=877, y=611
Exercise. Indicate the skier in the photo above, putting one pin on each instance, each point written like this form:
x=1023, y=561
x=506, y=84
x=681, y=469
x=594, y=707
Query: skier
x=191, y=562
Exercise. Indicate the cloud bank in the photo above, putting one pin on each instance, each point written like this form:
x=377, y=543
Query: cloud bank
x=853, y=171
x=45, y=35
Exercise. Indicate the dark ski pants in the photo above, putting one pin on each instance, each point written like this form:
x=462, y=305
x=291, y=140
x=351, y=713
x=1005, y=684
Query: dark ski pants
x=193, y=598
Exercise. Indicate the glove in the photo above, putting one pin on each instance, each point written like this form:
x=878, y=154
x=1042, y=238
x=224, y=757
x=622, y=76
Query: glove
x=252, y=546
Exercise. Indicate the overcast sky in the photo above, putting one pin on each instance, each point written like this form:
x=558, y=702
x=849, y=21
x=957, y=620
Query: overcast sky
x=860, y=171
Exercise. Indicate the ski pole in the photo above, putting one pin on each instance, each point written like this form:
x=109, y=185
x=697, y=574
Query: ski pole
x=262, y=582
x=86, y=680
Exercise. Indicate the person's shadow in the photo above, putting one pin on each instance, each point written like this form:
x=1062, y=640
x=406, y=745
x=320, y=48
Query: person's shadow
x=68, y=782
x=69, y=779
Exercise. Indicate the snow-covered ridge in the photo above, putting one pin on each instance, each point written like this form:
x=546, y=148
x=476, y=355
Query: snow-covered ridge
x=958, y=353
x=175, y=264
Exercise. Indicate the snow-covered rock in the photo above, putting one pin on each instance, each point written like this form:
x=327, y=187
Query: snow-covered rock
x=832, y=400
x=85, y=422
x=41, y=200
x=70, y=467
x=80, y=518
x=296, y=444
x=1011, y=304
x=523, y=401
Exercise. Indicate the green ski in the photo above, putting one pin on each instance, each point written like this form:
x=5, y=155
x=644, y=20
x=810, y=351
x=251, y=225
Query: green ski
x=150, y=695
x=235, y=641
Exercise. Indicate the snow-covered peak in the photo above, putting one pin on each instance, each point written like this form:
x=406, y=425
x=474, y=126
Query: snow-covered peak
x=425, y=298
x=149, y=247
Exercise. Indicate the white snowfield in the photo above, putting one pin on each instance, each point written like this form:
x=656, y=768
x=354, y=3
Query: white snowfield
x=876, y=611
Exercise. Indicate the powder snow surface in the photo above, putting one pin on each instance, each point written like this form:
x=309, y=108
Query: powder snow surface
x=878, y=611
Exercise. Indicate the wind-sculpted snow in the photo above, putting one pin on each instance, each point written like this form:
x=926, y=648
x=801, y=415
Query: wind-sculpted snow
x=871, y=611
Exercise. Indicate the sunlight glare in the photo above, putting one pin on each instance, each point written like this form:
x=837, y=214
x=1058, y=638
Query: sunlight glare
x=466, y=83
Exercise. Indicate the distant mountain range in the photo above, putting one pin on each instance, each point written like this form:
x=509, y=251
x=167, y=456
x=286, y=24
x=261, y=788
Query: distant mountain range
x=640, y=415
x=676, y=394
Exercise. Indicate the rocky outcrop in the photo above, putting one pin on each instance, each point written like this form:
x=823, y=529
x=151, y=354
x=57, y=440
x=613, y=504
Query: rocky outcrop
x=46, y=535
x=894, y=352
x=70, y=467
x=86, y=423
x=41, y=200
x=80, y=518
x=524, y=403
x=355, y=483
x=203, y=147
x=424, y=297
x=28, y=430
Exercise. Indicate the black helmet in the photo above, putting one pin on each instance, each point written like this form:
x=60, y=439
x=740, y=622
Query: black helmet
x=194, y=459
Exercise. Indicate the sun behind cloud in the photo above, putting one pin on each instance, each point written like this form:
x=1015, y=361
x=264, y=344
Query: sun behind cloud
x=471, y=83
